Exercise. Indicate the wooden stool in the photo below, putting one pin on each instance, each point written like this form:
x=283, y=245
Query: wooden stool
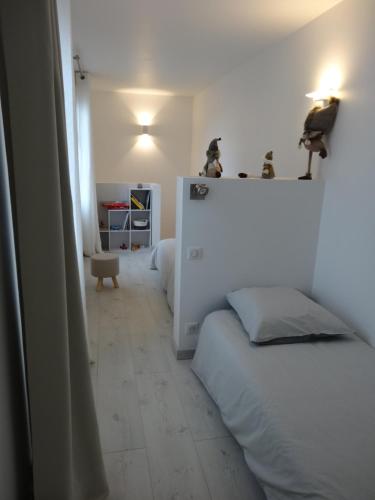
x=105, y=265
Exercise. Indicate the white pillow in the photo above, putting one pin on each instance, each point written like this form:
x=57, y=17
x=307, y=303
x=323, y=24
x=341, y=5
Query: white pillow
x=283, y=315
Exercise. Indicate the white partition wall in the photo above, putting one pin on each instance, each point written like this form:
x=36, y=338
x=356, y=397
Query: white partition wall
x=246, y=233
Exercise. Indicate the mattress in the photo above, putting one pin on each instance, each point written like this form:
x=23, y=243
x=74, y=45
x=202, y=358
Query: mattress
x=163, y=259
x=304, y=414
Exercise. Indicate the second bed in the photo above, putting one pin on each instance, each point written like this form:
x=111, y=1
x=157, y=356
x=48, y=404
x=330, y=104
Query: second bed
x=163, y=260
x=304, y=414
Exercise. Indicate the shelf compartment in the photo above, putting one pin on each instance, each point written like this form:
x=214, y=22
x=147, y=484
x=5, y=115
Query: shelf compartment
x=124, y=217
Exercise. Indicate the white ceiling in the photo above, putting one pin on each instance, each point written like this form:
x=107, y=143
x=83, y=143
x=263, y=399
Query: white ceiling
x=180, y=46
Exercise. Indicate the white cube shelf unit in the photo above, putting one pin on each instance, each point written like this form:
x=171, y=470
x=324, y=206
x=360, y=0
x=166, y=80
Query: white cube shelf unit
x=118, y=227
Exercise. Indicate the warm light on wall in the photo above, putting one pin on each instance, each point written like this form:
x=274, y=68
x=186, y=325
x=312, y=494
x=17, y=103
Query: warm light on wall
x=145, y=141
x=320, y=95
x=329, y=85
x=144, y=119
x=146, y=92
x=331, y=79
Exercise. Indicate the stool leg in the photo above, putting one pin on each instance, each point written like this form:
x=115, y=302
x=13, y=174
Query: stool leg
x=99, y=284
x=115, y=282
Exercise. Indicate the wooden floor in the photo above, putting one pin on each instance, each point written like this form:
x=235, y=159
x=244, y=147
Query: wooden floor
x=162, y=435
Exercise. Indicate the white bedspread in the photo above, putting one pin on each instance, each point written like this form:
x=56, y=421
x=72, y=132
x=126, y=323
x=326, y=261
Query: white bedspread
x=303, y=413
x=163, y=259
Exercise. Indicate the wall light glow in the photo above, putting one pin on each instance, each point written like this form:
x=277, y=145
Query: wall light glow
x=144, y=118
x=320, y=95
x=329, y=85
x=147, y=92
x=331, y=80
x=145, y=141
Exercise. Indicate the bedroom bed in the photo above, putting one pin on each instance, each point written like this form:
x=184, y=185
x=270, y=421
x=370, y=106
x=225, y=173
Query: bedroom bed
x=303, y=413
x=163, y=260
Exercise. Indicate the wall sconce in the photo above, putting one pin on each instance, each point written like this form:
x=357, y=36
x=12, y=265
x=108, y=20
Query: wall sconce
x=198, y=191
x=322, y=97
x=145, y=140
x=329, y=85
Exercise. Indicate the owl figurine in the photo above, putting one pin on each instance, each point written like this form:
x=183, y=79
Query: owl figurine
x=268, y=171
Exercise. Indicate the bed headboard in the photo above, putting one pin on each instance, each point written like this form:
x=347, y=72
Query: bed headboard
x=245, y=233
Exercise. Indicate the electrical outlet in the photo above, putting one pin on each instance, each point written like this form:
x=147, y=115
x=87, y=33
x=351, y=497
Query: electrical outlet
x=191, y=328
x=194, y=253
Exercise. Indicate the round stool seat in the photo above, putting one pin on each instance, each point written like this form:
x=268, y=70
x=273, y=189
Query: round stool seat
x=105, y=265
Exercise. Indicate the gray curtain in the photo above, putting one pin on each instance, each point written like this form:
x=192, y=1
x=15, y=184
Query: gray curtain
x=67, y=460
x=15, y=450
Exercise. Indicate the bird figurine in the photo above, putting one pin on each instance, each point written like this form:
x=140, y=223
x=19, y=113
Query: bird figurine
x=318, y=125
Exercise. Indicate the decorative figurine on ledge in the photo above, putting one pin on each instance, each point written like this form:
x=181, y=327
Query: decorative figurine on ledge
x=268, y=171
x=318, y=125
x=213, y=167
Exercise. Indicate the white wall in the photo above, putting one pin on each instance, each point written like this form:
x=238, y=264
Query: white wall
x=259, y=107
x=119, y=155
x=345, y=270
x=252, y=232
x=262, y=106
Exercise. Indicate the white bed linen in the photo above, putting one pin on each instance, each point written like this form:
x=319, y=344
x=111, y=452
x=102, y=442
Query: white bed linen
x=163, y=259
x=303, y=413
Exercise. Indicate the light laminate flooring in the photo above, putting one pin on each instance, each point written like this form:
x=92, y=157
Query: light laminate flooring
x=161, y=434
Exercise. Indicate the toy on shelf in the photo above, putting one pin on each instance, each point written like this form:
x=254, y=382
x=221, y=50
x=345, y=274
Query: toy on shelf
x=124, y=246
x=116, y=205
x=244, y=175
x=213, y=167
x=268, y=171
x=137, y=203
